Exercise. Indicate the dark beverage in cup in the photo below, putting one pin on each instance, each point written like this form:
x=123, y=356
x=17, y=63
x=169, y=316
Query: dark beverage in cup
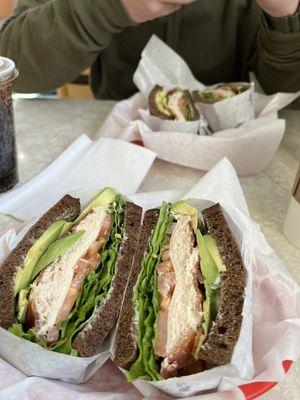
x=8, y=156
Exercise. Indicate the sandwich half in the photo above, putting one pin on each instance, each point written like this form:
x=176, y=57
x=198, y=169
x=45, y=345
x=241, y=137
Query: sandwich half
x=182, y=309
x=176, y=104
x=73, y=296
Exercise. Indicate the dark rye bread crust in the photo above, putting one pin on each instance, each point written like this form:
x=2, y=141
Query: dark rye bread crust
x=219, y=346
x=125, y=341
x=92, y=336
x=153, y=109
x=66, y=209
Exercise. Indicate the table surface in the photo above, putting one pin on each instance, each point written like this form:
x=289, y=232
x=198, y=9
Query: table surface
x=47, y=127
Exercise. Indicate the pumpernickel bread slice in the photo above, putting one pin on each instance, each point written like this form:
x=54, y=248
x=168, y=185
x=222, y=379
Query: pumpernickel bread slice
x=219, y=346
x=68, y=208
x=153, y=108
x=92, y=336
x=125, y=341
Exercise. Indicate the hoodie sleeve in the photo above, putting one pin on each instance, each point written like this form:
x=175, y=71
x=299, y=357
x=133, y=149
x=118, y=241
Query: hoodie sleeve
x=277, y=58
x=52, y=42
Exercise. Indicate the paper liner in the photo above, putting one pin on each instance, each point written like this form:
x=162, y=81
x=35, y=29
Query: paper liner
x=160, y=65
x=34, y=360
x=229, y=113
x=85, y=164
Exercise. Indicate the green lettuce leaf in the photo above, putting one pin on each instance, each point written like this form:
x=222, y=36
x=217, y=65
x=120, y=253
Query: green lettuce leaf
x=22, y=304
x=147, y=302
x=18, y=330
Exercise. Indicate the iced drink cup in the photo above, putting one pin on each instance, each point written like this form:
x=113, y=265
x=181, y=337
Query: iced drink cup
x=8, y=156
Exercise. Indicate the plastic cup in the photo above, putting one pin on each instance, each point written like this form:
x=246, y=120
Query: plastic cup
x=8, y=153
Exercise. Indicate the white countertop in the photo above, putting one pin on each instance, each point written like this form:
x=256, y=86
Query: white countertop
x=47, y=127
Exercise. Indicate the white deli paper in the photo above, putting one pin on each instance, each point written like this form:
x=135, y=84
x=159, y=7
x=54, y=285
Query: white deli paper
x=84, y=165
x=250, y=147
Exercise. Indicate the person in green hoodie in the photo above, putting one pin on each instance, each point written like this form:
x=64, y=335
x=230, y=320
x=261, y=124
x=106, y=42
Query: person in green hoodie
x=53, y=41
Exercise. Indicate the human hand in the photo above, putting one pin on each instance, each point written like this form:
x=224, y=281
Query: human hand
x=145, y=10
x=279, y=8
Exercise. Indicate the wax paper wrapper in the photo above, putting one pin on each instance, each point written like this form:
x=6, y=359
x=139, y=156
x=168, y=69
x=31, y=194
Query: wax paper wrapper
x=250, y=147
x=231, y=112
x=83, y=165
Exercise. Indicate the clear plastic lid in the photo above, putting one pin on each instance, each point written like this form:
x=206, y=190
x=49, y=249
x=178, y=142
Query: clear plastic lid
x=7, y=69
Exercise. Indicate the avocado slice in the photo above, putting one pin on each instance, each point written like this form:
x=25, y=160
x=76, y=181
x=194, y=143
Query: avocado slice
x=105, y=197
x=207, y=321
x=161, y=102
x=23, y=276
x=213, y=250
x=55, y=250
x=181, y=207
x=209, y=267
x=22, y=304
x=211, y=275
x=66, y=228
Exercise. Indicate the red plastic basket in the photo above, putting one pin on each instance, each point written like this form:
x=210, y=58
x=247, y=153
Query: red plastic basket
x=254, y=390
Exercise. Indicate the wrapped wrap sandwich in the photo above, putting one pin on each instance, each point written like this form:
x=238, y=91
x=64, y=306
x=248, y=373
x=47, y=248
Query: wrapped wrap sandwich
x=220, y=92
x=226, y=105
